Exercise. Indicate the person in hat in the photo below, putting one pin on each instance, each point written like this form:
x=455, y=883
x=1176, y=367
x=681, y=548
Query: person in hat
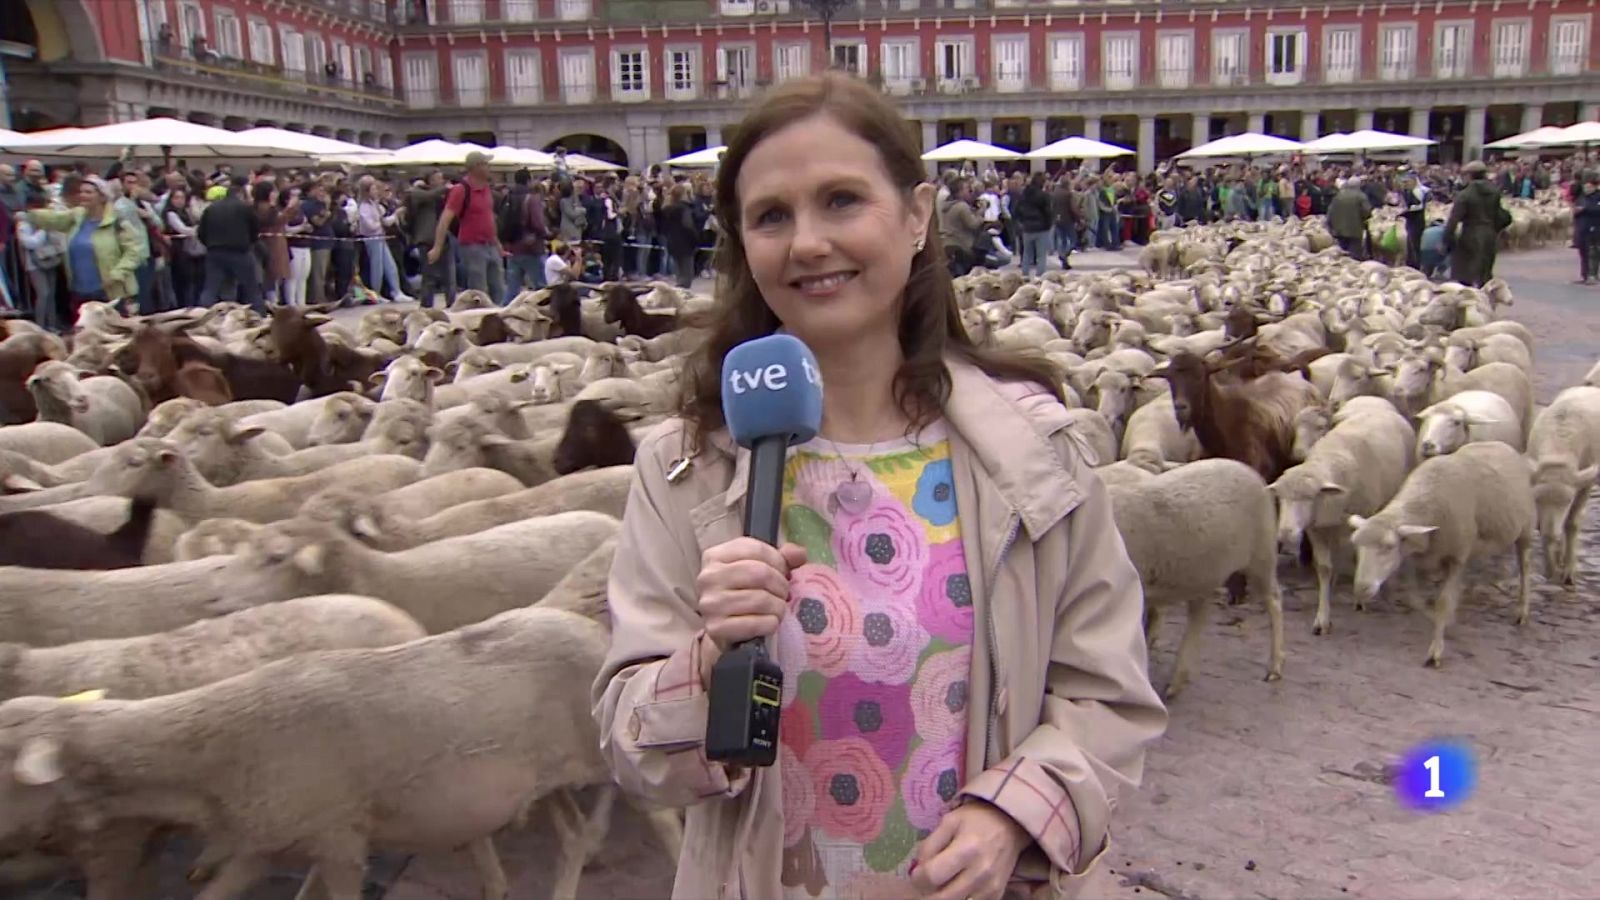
x=471, y=203
x=104, y=250
x=1472, y=233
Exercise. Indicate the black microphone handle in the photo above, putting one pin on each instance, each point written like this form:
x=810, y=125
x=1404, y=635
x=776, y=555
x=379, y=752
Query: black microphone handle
x=763, y=500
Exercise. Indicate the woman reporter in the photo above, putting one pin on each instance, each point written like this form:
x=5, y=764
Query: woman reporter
x=965, y=686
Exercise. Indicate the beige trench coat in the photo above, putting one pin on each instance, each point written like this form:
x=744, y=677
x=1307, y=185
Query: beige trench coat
x=1061, y=703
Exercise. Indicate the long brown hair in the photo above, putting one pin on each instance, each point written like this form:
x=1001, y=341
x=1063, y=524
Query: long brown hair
x=930, y=317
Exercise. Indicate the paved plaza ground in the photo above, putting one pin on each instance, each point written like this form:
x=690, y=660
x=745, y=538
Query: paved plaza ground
x=1281, y=790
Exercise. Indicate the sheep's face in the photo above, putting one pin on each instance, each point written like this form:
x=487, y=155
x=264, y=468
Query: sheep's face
x=546, y=379
x=1310, y=425
x=1353, y=379
x=1460, y=355
x=138, y=467
x=594, y=436
x=1442, y=430
x=55, y=384
x=1112, y=392
x=342, y=420
x=408, y=378
x=168, y=415
x=442, y=339
x=454, y=445
x=295, y=558
x=1092, y=330
x=1304, y=504
x=526, y=324
x=603, y=361
x=404, y=436
x=213, y=537
x=357, y=515
x=213, y=444
x=95, y=316
x=1380, y=548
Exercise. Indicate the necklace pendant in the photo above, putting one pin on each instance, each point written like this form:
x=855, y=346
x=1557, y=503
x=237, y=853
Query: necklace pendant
x=853, y=496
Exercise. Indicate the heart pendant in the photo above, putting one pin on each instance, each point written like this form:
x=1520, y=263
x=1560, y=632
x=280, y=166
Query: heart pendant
x=853, y=496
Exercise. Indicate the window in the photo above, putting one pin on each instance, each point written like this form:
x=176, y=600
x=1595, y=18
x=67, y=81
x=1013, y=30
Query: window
x=1396, y=48
x=1510, y=49
x=1066, y=62
x=629, y=75
x=791, y=61
x=1568, y=45
x=227, y=36
x=1286, y=56
x=850, y=56
x=341, y=52
x=1452, y=50
x=1174, y=59
x=363, y=65
x=738, y=7
x=317, y=57
x=899, y=65
x=1230, y=59
x=952, y=59
x=471, y=71
x=519, y=10
x=1121, y=57
x=1011, y=63
x=261, y=42
x=422, y=80
x=386, y=71
x=683, y=73
x=466, y=12
x=191, y=23
x=294, y=52
x=572, y=10
x=1341, y=59
x=577, y=76
x=736, y=70
x=522, y=77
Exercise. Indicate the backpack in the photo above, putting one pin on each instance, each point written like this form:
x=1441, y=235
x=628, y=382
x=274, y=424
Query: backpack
x=510, y=220
x=466, y=204
x=1302, y=205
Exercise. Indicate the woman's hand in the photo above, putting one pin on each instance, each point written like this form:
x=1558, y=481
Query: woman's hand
x=970, y=854
x=744, y=591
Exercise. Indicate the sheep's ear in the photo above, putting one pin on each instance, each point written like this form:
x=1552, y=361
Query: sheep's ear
x=1479, y=419
x=1355, y=522
x=433, y=374
x=365, y=526
x=38, y=762
x=519, y=375
x=309, y=559
x=1415, y=535
x=1333, y=490
x=318, y=319
x=84, y=374
x=1425, y=412
x=248, y=432
x=378, y=377
x=167, y=457
x=18, y=484
x=495, y=440
x=1588, y=476
x=458, y=329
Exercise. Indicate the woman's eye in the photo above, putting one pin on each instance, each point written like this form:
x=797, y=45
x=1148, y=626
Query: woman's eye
x=841, y=199
x=770, y=217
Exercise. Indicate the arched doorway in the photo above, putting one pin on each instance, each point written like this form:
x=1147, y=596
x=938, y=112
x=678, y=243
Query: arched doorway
x=592, y=145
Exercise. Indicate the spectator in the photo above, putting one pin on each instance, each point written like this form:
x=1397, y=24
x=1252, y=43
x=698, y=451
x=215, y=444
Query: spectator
x=104, y=250
x=1036, y=220
x=43, y=252
x=1480, y=217
x=1347, y=217
x=524, y=235
x=188, y=254
x=1586, y=226
x=229, y=230
x=423, y=204
x=471, y=202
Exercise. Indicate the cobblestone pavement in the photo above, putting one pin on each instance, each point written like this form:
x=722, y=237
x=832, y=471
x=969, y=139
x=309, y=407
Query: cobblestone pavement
x=1280, y=790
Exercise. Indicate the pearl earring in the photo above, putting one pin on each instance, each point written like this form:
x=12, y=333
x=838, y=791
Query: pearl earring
x=920, y=243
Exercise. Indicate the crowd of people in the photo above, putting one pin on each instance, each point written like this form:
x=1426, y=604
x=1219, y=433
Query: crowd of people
x=168, y=236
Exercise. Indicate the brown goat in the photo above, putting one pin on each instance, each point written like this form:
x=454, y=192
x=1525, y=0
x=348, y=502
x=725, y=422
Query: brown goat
x=150, y=360
x=18, y=358
x=204, y=382
x=622, y=308
x=1249, y=421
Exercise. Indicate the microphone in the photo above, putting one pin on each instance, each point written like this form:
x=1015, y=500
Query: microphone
x=771, y=400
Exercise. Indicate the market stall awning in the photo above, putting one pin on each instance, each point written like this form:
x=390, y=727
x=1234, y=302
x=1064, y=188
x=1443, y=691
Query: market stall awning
x=1536, y=138
x=961, y=151
x=1245, y=145
x=311, y=144
x=699, y=159
x=1365, y=141
x=1079, y=148
x=153, y=137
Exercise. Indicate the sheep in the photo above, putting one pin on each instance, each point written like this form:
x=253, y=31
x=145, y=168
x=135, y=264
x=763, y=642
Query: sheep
x=408, y=378
x=656, y=349
x=293, y=423
x=441, y=342
x=1476, y=500
x=1249, y=421
x=101, y=406
x=583, y=589
x=342, y=420
x=594, y=437
x=515, y=354
x=226, y=454
x=203, y=652
x=655, y=393
x=472, y=441
x=148, y=467
x=415, y=501
x=42, y=540
x=1466, y=352
x=621, y=307
x=167, y=416
x=1504, y=379
x=214, y=537
x=1187, y=532
x=50, y=443
x=47, y=607
x=487, y=695
x=1154, y=436
x=369, y=520
x=444, y=584
x=1465, y=418
x=1311, y=423
x=1565, y=452
x=1355, y=469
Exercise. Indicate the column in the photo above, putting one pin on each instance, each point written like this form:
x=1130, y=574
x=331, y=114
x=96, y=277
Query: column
x=985, y=131
x=930, y=140
x=1039, y=139
x=1419, y=128
x=713, y=135
x=1091, y=130
x=1200, y=128
x=1147, y=144
x=1532, y=116
x=1477, y=124
x=1310, y=125
x=1591, y=112
x=1257, y=122
x=1363, y=120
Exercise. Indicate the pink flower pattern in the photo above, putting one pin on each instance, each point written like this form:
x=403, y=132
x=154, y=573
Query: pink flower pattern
x=931, y=781
x=878, y=714
x=891, y=641
x=882, y=551
x=939, y=695
x=828, y=614
x=944, y=605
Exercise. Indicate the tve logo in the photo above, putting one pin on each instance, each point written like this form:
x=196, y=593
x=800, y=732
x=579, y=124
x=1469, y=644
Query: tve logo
x=772, y=377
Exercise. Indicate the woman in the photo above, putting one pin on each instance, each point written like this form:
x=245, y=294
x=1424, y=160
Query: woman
x=372, y=219
x=104, y=250
x=298, y=231
x=965, y=684
x=188, y=254
x=679, y=234
x=272, y=245
x=42, y=256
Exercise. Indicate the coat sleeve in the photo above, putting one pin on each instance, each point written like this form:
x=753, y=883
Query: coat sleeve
x=1100, y=710
x=648, y=700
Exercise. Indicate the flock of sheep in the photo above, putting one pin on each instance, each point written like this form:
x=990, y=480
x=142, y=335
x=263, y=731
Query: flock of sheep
x=305, y=593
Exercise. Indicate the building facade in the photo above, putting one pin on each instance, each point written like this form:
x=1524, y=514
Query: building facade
x=640, y=80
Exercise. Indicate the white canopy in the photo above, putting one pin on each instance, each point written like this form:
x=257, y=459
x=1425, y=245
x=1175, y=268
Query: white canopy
x=1535, y=138
x=699, y=159
x=521, y=157
x=150, y=137
x=311, y=144
x=580, y=163
x=1079, y=148
x=961, y=151
x=1365, y=141
x=1581, y=133
x=1248, y=144
x=433, y=153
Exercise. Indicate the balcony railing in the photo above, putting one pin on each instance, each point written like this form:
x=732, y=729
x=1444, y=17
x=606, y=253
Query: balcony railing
x=199, y=61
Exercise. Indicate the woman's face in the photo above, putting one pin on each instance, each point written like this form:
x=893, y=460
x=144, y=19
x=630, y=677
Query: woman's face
x=178, y=199
x=828, y=237
x=90, y=197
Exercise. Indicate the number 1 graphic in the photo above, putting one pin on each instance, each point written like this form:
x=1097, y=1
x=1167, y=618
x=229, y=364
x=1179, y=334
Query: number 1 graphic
x=1432, y=765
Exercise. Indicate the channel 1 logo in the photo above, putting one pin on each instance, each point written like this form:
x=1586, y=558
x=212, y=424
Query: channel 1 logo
x=1436, y=776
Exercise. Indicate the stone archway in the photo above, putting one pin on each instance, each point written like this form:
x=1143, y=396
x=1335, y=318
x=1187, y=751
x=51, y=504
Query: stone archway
x=595, y=145
x=64, y=29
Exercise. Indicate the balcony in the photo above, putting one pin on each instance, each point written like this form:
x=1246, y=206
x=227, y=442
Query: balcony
x=1174, y=77
x=206, y=64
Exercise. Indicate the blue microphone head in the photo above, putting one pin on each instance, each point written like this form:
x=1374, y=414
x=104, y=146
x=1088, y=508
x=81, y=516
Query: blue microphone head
x=772, y=386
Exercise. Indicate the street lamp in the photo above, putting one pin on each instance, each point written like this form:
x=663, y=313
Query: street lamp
x=826, y=10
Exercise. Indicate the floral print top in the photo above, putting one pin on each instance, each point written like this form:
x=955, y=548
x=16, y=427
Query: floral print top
x=875, y=654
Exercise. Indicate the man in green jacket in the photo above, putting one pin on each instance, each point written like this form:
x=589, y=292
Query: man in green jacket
x=1348, y=215
x=1481, y=218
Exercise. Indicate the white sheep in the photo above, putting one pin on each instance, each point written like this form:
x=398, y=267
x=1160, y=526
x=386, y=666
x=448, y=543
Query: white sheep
x=444, y=584
x=226, y=454
x=1096, y=435
x=444, y=340
x=343, y=419
x=168, y=414
x=1466, y=352
x=213, y=537
x=50, y=443
x=47, y=607
x=408, y=378
x=1190, y=530
x=293, y=423
x=418, y=500
x=459, y=722
x=103, y=407
x=1153, y=434
x=654, y=393
x=1311, y=423
x=1565, y=451
x=1476, y=500
x=1355, y=469
x=1465, y=418
x=203, y=652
